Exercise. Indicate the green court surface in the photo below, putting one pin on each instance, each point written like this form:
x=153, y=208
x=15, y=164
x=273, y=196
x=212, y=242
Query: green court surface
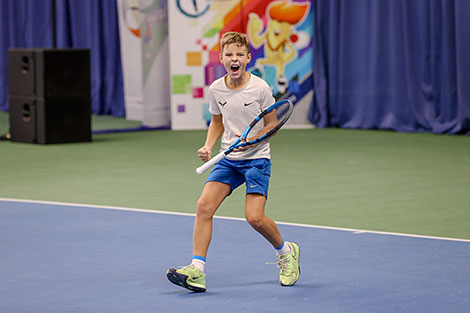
x=415, y=183
x=98, y=123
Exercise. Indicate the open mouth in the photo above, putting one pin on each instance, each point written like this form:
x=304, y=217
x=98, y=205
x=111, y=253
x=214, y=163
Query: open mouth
x=235, y=67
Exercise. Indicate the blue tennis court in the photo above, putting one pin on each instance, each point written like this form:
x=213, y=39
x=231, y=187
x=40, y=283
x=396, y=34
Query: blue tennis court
x=72, y=258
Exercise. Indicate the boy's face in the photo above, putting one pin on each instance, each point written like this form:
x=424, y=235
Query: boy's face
x=235, y=58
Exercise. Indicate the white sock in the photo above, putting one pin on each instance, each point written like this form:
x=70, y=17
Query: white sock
x=283, y=249
x=200, y=264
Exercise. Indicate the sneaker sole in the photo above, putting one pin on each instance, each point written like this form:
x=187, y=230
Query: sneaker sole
x=298, y=248
x=180, y=280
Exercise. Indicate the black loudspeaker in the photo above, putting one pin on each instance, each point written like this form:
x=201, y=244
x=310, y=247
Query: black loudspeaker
x=23, y=119
x=49, y=93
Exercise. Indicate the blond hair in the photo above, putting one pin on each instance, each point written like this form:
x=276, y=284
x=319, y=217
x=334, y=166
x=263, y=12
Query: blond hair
x=239, y=39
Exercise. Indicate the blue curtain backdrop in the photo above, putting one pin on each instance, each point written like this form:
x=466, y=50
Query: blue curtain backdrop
x=392, y=64
x=87, y=24
x=22, y=24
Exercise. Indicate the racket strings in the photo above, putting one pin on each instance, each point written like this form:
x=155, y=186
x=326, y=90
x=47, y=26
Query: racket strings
x=283, y=111
x=255, y=130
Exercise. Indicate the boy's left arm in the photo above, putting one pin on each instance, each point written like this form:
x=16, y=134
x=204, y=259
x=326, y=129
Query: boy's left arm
x=270, y=121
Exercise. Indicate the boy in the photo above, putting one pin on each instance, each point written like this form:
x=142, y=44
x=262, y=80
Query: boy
x=234, y=101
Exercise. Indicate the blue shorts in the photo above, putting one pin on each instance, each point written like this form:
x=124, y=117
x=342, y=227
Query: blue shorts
x=255, y=173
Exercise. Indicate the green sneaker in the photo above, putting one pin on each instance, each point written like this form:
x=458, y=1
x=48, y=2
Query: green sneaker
x=188, y=277
x=289, y=265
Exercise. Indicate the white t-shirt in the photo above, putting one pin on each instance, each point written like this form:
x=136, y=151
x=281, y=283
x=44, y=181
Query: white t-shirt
x=239, y=108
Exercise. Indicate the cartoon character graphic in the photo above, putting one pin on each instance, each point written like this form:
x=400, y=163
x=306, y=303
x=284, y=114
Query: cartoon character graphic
x=279, y=38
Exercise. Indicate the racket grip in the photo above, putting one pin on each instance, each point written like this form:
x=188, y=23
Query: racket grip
x=204, y=167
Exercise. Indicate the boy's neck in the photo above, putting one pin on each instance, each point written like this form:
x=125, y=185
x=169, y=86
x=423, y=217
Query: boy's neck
x=239, y=83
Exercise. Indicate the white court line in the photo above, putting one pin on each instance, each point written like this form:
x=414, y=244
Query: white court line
x=354, y=231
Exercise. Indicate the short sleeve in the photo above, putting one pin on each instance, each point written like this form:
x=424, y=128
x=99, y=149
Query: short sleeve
x=266, y=96
x=213, y=107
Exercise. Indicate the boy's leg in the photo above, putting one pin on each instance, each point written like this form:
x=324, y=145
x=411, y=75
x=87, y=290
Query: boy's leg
x=212, y=196
x=191, y=277
x=254, y=213
x=288, y=263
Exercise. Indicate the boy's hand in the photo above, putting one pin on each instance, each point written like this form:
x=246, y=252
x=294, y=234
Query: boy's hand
x=204, y=154
x=245, y=147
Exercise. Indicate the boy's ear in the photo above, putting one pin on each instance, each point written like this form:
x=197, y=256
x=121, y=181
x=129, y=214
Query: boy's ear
x=249, y=57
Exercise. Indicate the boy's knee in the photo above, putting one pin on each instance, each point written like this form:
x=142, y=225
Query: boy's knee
x=204, y=208
x=256, y=221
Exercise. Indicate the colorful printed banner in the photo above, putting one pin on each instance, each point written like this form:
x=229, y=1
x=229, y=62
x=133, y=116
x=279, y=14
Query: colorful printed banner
x=144, y=51
x=280, y=34
x=131, y=51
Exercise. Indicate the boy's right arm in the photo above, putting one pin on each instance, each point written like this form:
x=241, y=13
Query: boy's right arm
x=216, y=128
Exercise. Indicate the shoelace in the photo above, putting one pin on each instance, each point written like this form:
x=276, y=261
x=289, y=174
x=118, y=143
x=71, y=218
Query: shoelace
x=283, y=263
x=190, y=266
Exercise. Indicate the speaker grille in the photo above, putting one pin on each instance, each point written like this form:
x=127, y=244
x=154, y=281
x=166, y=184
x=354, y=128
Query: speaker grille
x=66, y=74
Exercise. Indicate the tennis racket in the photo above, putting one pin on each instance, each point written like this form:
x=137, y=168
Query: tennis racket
x=283, y=110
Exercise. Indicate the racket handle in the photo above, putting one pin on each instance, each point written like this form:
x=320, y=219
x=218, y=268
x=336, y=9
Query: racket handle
x=204, y=167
